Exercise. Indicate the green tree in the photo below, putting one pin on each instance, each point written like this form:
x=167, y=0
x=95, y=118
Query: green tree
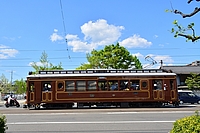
x=45, y=64
x=193, y=82
x=20, y=86
x=111, y=57
x=4, y=84
x=182, y=31
x=84, y=66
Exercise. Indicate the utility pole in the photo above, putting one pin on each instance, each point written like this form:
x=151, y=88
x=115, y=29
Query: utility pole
x=161, y=64
x=11, y=77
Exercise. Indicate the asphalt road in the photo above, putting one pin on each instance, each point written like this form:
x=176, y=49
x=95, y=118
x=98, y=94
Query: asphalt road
x=108, y=120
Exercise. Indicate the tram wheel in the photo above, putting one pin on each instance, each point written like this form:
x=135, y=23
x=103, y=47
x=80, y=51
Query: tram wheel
x=37, y=106
x=176, y=104
x=159, y=104
x=69, y=106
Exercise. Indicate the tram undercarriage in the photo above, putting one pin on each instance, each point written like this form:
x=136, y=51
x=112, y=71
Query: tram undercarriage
x=101, y=105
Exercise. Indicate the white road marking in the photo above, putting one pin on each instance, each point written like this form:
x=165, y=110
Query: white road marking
x=158, y=112
x=91, y=122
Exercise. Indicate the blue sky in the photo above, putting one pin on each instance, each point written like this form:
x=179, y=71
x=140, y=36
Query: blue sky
x=28, y=28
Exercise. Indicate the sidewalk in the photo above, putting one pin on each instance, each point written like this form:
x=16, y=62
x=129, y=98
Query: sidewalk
x=1, y=103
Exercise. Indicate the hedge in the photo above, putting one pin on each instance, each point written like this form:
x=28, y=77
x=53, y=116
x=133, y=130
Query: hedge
x=189, y=124
x=3, y=126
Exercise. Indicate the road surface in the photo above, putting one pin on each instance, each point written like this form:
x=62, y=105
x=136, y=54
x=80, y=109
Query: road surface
x=109, y=120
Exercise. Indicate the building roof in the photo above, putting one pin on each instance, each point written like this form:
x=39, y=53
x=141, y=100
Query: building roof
x=194, y=63
x=183, y=69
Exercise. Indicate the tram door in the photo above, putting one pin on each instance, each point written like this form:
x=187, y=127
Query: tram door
x=167, y=89
x=31, y=92
x=46, y=92
x=158, y=91
x=173, y=92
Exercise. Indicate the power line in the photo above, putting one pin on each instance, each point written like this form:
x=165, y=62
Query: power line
x=81, y=57
x=143, y=63
x=149, y=49
x=132, y=49
x=64, y=27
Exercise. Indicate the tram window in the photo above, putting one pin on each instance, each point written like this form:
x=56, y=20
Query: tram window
x=102, y=85
x=135, y=84
x=60, y=85
x=32, y=87
x=46, y=87
x=171, y=84
x=113, y=85
x=144, y=84
x=80, y=85
x=69, y=86
x=92, y=85
x=123, y=85
x=157, y=84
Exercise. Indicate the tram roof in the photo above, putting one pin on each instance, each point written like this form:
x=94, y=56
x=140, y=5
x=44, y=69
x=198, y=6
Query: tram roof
x=101, y=73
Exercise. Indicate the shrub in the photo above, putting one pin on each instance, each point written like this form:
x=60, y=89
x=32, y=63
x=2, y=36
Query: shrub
x=190, y=124
x=3, y=126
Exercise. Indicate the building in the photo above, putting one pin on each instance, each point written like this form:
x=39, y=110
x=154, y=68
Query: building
x=184, y=71
x=195, y=63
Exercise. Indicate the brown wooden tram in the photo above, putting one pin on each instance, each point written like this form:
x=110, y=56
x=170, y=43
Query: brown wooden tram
x=101, y=87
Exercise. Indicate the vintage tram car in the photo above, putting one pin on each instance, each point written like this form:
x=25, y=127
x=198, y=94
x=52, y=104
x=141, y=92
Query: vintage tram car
x=101, y=87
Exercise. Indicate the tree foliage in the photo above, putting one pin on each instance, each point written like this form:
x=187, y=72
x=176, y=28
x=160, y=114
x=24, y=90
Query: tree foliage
x=111, y=57
x=4, y=84
x=193, y=82
x=45, y=64
x=189, y=124
x=180, y=30
x=20, y=86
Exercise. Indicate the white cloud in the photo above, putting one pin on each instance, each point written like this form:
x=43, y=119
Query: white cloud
x=95, y=34
x=79, y=46
x=9, y=52
x=55, y=30
x=10, y=38
x=161, y=45
x=55, y=37
x=155, y=36
x=135, y=41
x=165, y=58
x=138, y=55
x=6, y=52
x=3, y=46
x=72, y=37
x=3, y=56
x=101, y=32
